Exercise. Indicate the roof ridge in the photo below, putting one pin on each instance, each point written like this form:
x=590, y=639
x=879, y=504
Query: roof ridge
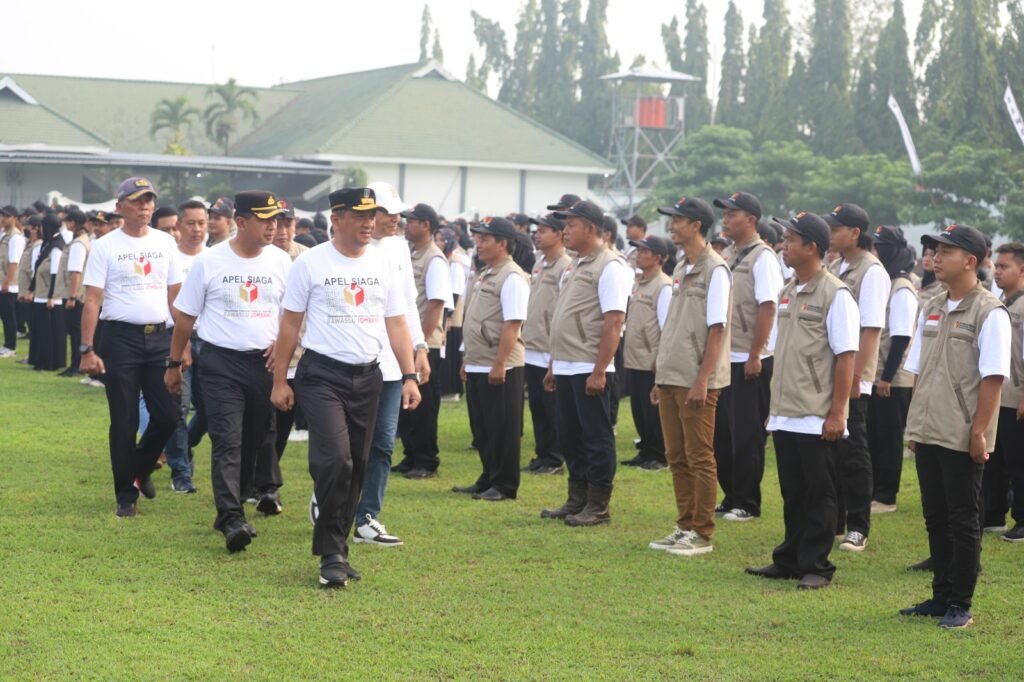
x=366, y=109
x=319, y=79
x=276, y=88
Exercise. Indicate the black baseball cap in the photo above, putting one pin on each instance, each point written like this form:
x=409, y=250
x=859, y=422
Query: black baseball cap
x=635, y=219
x=565, y=202
x=654, y=244
x=223, y=207
x=693, y=208
x=964, y=237
x=263, y=205
x=849, y=215
x=501, y=228
x=811, y=226
x=288, y=211
x=353, y=199
x=721, y=240
x=889, y=235
x=98, y=216
x=551, y=220
x=587, y=210
x=521, y=219
x=76, y=216
x=423, y=212
x=10, y=211
x=743, y=201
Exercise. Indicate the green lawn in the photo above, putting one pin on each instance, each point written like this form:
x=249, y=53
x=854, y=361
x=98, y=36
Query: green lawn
x=479, y=590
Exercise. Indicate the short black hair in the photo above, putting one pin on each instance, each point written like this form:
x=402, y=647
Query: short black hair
x=190, y=204
x=162, y=212
x=1016, y=249
x=806, y=240
x=865, y=241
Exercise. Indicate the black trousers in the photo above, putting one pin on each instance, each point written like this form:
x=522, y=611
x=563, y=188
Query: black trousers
x=134, y=361
x=498, y=413
x=1003, y=482
x=236, y=392
x=615, y=383
x=645, y=415
x=855, y=486
x=9, y=317
x=585, y=431
x=418, y=428
x=448, y=375
x=340, y=404
x=542, y=415
x=807, y=478
x=887, y=419
x=73, y=323
x=951, y=498
x=268, y=459
x=51, y=337
x=740, y=437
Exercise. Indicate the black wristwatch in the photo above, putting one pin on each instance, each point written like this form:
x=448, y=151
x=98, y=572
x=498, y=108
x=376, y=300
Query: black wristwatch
x=172, y=364
x=410, y=377
x=84, y=348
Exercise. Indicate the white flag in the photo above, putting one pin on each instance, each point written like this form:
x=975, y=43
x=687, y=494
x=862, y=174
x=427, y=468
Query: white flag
x=1011, y=106
x=908, y=141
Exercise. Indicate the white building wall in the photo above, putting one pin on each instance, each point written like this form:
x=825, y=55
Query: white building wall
x=437, y=186
x=492, y=191
x=20, y=185
x=544, y=189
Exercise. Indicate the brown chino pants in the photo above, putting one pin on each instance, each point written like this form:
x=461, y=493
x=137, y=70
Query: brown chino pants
x=689, y=448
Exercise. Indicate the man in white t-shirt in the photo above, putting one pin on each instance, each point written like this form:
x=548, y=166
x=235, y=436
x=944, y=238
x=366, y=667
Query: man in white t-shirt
x=353, y=307
x=132, y=274
x=12, y=246
x=237, y=287
x=814, y=341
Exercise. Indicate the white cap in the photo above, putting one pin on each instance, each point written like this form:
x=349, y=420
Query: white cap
x=387, y=198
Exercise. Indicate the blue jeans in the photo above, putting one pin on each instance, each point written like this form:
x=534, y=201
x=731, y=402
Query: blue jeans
x=378, y=465
x=197, y=427
x=179, y=455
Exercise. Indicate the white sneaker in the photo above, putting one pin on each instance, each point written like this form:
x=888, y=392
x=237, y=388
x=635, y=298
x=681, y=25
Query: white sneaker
x=6, y=352
x=738, y=515
x=881, y=507
x=298, y=436
x=96, y=384
x=853, y=542
x=691, y=546
x=673, y=539
x=373, y=532
x=996, y=529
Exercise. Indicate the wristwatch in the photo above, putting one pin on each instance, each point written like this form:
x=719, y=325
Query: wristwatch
x=84, y=348
x=172, y=364
x=420, y=346
x=410, y=377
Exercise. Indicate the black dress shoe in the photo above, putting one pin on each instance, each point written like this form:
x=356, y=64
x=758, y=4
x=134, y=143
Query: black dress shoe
x=925, y=565
x=813, y=581
x=126, y=511
x=252, y=531
x=402, y=467
x=237, y=537
x=146, y=487
x=548, y=469
x=491, y=495
x=772, y=571
x=467, y=489
x=332, y=571
x=420, y=474
x=352, y=573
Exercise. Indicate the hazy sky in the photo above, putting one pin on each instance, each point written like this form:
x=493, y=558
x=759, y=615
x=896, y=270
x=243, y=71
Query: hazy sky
x=265, y=43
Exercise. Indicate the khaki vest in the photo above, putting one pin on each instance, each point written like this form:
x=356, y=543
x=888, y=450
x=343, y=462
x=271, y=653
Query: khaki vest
x=852, y=278
x=5, y=240
x=744, y=302
x=902, y=378
x=484, y=320
x=459, y=314
x=577, y=319
x=64, y=277
x=929, y=292
x=1013, y=390
x=295, y=249
x=544, y=283
x=25, y=268
x=420, y=261
x=802, y=384
x=42, y=278
x=686, y=329
x=948, y=381
x=640, y=343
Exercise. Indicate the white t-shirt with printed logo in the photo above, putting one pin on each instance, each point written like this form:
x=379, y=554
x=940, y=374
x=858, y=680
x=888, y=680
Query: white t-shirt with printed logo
x=346, y=301
x=134, y=273
x=239, y=298
x=184, y=261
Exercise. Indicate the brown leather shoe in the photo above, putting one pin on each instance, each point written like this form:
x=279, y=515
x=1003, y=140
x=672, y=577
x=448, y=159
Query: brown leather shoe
x=573, y=505
x=596, y=510
x=491, y=495
x=773, y=572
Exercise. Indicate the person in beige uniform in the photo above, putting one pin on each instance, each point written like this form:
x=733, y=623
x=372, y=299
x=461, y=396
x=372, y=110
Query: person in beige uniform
x=25, y=270
x=12, y=246
x=960, y=355
x=645, y=318
x=492, y=367
x=815, y=341
x=72, y=265
x=691, y=370
x=544, y=283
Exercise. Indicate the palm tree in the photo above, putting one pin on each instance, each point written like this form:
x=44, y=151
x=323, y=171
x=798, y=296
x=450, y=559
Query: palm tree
x=174, y=115
x=222, y=118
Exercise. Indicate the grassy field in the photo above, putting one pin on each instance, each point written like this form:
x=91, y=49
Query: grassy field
x=479, y=590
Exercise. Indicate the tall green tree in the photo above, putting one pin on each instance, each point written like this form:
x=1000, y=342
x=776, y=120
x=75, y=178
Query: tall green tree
x=596, y=60
x=437, y=53
x=518, y=87
x=553, y=105
x=891, y=73
x=426, y=30
x=176, y=116
x=767, y=113
x=830, y=116
x=234, y=104
x=695, y=62
x=730, y=86
x=491, y=37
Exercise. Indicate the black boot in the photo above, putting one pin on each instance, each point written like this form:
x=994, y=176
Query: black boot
x=574, y=505
x=596, y=511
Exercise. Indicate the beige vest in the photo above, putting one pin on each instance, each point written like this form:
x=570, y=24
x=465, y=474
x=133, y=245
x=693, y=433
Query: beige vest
x=577, y=319
x=459, y=314
x=484, y=320
x=420, y=261
x=902, y=378
x=744, y=302
x=5, y=240
x=25, y=268
x=42, y=278
x=948, y=381
x=64, y=277
x=1013, y=390
x=686, y=329
x=544, y=283
x=852, y=278
x=929, y=292
x=805, y=365
x=295, y=249
x=640, y=343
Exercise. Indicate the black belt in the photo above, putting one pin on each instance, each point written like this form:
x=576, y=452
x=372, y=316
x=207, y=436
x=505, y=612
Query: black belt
x=247, y=354
x=144, y=328
x=344, y=367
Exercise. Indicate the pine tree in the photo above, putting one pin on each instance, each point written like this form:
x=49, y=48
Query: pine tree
x=596, y=60
x=517, y=89
x=695, y=63
x=828, y=79
x=730, y=87
x=767, y=113
x=491, y=36
x=426, y=28
x=473, y=78
x=891, y=74
x=550, y=108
